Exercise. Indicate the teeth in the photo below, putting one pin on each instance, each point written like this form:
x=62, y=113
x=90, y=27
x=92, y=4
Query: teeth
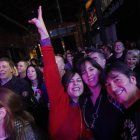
x=119, y=93
x=91, y=79
x=75, y=89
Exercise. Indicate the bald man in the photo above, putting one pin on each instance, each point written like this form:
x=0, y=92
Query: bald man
x=60, y=63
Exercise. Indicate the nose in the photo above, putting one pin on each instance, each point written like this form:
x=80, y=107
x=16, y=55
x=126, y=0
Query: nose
x=1, y=68
x=75, y=82
x=113, y=87
x=88, y=73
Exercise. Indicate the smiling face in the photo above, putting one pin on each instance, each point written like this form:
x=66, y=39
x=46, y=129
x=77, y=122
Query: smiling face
x=5, y=71
x=75, y=87
x=131, y=61
x=120, y=87
x=31, y=73
x=90, y=75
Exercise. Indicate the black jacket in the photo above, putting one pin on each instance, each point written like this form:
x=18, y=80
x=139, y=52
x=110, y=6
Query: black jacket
x=22, y=88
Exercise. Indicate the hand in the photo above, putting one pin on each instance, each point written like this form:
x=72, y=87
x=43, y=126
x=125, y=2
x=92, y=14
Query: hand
x=40, y=24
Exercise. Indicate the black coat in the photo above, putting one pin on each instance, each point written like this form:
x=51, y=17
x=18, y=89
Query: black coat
x=22, y=88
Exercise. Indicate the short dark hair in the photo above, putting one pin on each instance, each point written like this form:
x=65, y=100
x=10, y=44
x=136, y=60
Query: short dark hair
x=70, y=54
x=35, y=60
x=108, y=48
x=11, y=63
x=119, y=67
x=25, y=62
x=119, y=41
x=95, y=50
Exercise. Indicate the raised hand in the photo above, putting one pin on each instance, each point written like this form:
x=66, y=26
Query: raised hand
x=40, y=24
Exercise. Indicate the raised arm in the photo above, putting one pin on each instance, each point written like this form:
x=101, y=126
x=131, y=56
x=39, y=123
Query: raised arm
x=51, y=73
x=40, y=24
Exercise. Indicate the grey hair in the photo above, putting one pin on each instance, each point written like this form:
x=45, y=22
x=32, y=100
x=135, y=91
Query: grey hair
x=134, y=53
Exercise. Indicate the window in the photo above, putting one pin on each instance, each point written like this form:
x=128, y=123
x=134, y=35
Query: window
x=53, y=33
x=62, y=31
x=72, y=29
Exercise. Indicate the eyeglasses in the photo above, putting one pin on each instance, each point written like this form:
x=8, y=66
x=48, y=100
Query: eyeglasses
x=118, y=46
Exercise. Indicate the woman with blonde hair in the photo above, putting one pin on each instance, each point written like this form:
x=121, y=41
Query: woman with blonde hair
x=15, y=123
x=132, y=60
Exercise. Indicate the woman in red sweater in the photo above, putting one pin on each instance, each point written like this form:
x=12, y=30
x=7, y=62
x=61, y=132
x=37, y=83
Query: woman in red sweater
x=65, y=118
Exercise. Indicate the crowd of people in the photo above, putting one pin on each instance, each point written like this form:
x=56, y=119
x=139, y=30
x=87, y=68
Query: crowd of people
x=93, y=93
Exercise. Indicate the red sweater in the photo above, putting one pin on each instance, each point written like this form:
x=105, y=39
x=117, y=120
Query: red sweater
x=64, y=121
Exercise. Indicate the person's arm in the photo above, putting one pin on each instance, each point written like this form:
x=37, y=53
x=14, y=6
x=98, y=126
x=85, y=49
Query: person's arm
x=40, y=25
x=51, y=74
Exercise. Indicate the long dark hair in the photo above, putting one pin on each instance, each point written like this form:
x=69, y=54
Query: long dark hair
x=14, y=111
x=66, y=80
x=81, y=66
x=38, y=73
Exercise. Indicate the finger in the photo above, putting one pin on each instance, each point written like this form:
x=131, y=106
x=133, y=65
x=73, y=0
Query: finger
x=33, y=21
x=40, y=13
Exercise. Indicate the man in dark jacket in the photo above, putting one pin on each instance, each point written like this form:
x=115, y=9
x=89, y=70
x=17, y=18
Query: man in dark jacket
x=121, y=84
x=19, y=86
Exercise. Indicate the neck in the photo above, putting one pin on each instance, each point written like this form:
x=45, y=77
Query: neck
x=95, y=93
x=132, y=68
x=70, y=62
x=22, y=75
x=118, y=55
x=108, y=54
x=3, y=80
x=35, y=83
x=75, y=99
x=134, y=98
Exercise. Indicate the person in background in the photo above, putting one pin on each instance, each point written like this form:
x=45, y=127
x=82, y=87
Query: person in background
x=69, y=65
x=34, y=61
x=107, y=51
x=15, y=123
x=21, y=68
x=15, y=72
x=38, y=86
x=37, y=83
x=132, y=60
x=97, y=55
x=65, y=117
x=60, y=64
x=121, y=83
x=119, y=52
x=41, y=67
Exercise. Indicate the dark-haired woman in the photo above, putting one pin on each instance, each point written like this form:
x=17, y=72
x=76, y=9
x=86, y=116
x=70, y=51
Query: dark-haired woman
x=35, y=77
x=38, y=86
x=15, y=123
x=65, y=117
x=101, y=117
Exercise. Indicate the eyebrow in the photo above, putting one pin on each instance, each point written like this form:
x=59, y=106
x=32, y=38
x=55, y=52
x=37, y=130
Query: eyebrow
x=114, y=76
x=76, y=78
x=95, y=57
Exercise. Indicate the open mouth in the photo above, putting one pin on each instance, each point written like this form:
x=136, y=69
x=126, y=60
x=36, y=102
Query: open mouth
x=91, y=79
x=76, y=89
x=118, y=93
x=1, y=74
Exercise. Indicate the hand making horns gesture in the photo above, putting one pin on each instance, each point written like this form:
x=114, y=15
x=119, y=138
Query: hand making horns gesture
x=40, y=24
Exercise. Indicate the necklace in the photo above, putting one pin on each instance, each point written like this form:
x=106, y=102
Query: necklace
x=95, y=115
